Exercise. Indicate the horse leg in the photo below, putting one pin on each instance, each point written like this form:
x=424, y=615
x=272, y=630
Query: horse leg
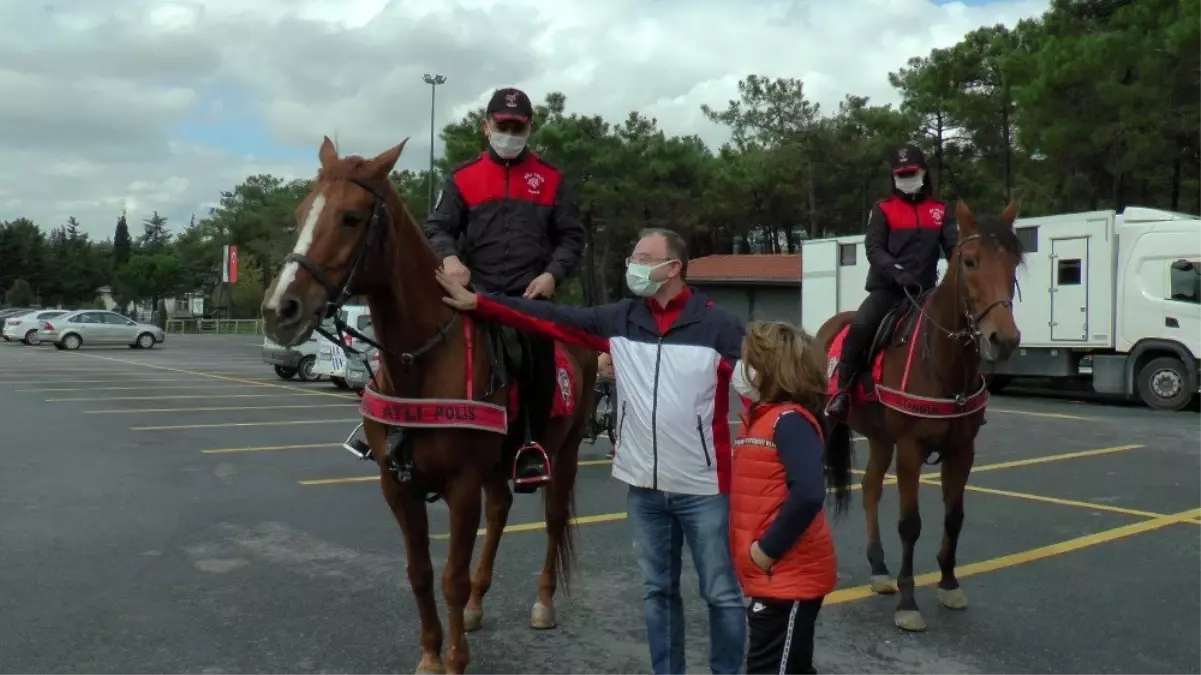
x=873, y=488
x=558, y=502
x=463, y=498
x=498, y=499
x=409, y=509
x=909, y=467
x=955, y=470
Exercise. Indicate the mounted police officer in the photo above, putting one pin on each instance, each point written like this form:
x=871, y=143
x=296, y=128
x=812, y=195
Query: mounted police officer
x=905, y=235
x=505, y=223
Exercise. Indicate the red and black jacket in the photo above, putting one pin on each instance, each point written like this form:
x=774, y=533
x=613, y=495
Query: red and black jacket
x=515, y=219
x=907, y=233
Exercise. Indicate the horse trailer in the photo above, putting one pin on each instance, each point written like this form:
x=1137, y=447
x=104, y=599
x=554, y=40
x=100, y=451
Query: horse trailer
x=1105, y=299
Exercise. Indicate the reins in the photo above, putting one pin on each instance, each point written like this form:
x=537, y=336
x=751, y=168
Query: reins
x=337, y=294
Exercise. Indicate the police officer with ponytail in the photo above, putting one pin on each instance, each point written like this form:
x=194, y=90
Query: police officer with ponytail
x=906, y=233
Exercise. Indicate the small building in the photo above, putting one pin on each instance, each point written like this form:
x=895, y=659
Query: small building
x=754, y=287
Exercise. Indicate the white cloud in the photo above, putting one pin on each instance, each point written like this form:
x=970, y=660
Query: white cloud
x=93, y=93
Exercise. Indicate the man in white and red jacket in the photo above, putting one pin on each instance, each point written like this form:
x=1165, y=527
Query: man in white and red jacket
x=673, y=355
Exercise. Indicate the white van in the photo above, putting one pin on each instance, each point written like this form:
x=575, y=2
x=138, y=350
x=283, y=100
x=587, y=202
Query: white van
x=331, y=360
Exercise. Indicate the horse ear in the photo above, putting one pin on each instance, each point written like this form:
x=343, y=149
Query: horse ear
x=328, y=154
x=1010, y=213
x=382, y=165
x=964, y=218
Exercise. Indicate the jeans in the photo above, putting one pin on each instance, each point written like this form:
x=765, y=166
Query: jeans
x=662, y=521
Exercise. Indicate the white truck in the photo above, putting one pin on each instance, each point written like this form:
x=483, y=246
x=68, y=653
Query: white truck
x=1111, y=300
x=331, y=359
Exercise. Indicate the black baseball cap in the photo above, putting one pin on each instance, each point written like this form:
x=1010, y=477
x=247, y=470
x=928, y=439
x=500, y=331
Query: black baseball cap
x=510, y=104
x=908, y=159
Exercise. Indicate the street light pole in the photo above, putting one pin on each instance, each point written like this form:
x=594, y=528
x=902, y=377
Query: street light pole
x=433, y=81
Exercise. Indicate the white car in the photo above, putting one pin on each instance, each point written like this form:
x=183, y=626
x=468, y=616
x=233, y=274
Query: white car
x=25, y=327
x=331, y=360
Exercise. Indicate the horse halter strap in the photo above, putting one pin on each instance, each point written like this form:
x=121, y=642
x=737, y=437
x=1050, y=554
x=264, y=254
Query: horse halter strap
x=973, y=321
x=337, y=293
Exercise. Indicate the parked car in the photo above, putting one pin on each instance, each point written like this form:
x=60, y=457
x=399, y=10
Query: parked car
x=99, y=327
x=331, y=360
x=358, y=373
x=25, y=327
x=290, y=362
x=13, y=311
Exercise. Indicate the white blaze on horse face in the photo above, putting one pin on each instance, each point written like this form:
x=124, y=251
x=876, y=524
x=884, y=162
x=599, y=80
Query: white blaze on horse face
x=304, y=240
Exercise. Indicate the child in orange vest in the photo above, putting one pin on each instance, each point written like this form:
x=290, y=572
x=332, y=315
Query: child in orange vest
x=782, y=548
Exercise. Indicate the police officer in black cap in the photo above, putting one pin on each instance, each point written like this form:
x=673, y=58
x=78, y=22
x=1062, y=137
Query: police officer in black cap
x=506, y=223
x=906, y=233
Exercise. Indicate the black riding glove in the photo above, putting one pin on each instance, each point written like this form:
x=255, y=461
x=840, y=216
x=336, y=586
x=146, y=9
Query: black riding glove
x=906, y=279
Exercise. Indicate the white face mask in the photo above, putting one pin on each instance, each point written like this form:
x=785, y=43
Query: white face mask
x=639, y=281
x=743, y=377
x=507, y=146
x=910, y=184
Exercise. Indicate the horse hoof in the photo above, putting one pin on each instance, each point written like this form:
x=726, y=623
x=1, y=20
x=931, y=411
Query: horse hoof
x=424, y=668
x=542, y=617
x=473, y=619
x=883, y=585
x=910, y=620
x=953, y=599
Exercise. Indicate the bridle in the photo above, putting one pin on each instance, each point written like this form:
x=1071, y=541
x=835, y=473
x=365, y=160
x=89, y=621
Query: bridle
x=972, y=331
x=970, y=334
x=338, y=293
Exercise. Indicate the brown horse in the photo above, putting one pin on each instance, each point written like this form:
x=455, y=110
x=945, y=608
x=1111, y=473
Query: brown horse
x=356, y=237
x=935, y=405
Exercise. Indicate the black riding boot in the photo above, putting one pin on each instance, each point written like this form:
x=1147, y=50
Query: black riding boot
x=840, y=403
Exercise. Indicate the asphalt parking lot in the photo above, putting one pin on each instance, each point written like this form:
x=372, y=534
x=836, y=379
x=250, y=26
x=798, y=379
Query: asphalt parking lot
x=184, y=510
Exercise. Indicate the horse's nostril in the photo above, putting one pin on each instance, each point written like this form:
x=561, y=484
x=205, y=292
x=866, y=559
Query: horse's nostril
x=289, y=309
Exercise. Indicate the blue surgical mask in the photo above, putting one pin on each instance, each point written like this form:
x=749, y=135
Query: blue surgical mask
x=638, y=278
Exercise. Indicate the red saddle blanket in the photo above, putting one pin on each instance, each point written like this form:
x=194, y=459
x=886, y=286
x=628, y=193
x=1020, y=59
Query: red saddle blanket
x=897, y=398
x=565, y=397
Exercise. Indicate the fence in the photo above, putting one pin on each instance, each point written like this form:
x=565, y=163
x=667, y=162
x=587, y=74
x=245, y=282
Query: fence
x=216, y=326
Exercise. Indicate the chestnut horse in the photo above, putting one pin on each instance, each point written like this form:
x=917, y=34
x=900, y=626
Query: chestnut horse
x=356, y=237
x=935, y=405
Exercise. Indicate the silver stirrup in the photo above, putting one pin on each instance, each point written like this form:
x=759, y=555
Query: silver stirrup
x=350, y=448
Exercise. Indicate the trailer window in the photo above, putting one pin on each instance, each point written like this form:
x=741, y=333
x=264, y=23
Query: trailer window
x=846, y=255
x=1186, y=282
x=1029, y=238
x=1068, y=273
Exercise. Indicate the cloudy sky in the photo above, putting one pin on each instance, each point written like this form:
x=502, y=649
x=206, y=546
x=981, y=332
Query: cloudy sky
x=161, y=104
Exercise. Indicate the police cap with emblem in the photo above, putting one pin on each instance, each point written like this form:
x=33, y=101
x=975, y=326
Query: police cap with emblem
x=510, y=104
x=907, y=159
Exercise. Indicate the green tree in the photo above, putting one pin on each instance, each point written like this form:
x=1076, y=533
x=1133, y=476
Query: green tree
x=20, y=294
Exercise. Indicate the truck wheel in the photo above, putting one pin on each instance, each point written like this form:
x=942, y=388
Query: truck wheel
x=996, y=383
x=305, y=368
x=339, y=382
x=285, y=373
x=1163, y=384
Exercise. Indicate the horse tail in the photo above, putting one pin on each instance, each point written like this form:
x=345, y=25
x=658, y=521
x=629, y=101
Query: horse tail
x=563, y=473
x=839, y=457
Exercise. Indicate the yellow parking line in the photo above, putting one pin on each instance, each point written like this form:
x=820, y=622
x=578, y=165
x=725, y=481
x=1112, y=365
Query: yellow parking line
x=197, y=373
x=268, y=448
x=1022, y=557
x=1055, y=458
x=533, y=527
x=183, y=396
x=280, y=423
x=1056, y=500
x=121, y=411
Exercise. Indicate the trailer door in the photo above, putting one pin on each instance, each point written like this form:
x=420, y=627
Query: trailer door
x=1069, y=289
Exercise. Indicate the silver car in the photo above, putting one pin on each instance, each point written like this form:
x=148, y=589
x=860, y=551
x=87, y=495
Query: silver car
x=98, y=327
x=25, y=327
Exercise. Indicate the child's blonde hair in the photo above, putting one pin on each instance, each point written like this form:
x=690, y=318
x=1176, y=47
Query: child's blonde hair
x=787, y=363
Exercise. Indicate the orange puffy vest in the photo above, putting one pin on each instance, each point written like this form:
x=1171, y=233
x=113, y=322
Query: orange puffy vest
x=758, y=489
